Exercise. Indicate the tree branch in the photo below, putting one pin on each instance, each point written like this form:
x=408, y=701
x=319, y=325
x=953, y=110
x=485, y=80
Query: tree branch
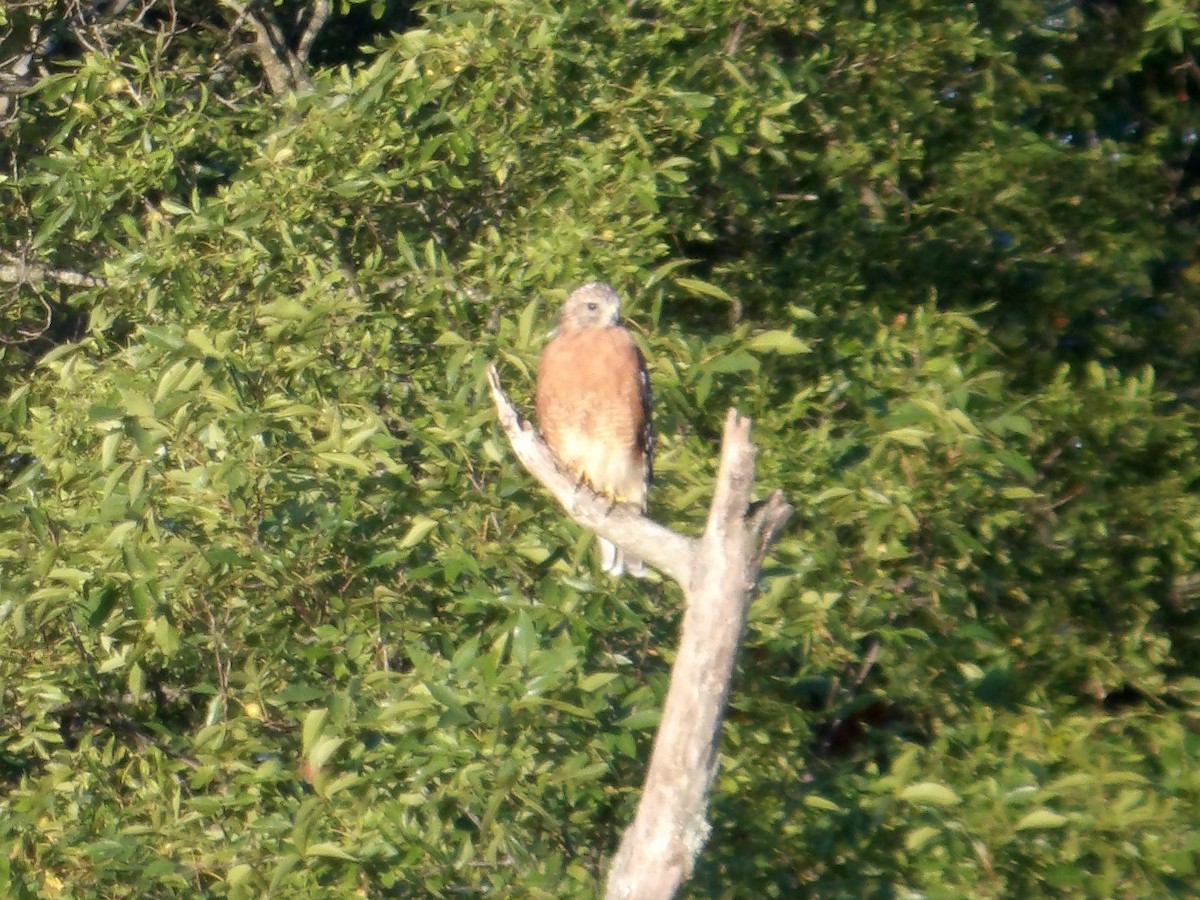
x=16, y=83
x=316, y=21
x=717, y=573
x=285, y=72
x=18, y=272
x=624, y=525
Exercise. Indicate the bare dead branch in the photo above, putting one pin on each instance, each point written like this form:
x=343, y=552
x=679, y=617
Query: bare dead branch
x=767, y=519
x=717, y=573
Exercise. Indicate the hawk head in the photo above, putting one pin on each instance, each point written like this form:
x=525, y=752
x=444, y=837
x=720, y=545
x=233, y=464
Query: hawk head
x=595, y=305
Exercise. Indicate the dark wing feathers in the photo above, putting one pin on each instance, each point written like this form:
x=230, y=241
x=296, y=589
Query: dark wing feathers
x=647, y=437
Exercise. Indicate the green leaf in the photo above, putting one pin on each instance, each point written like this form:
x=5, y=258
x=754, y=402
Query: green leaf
x=327, y=850
x=285, y=309
x=1041, y=818
x=201, y=342
x=162, y=338
x=815, y=801
x=241, y=875
x=693, y=100
x=108, y=449
x=641, y=719
x=909, y=437
x=734, y=361
x=525, y=323
x=778, y=341
x=347, y=461
x=314, y=722
x=52, y=225
x=459, y=713
x=322, y=750
x=929, y=793
x=916, y=839
x=420, y=527
x=704, y=289
x=596, y=681
x=166, y=636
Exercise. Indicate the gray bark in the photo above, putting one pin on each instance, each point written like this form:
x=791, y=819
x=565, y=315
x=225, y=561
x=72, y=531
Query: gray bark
x=717, y=573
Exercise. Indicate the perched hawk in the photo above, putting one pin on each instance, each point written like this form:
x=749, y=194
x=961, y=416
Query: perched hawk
x=593, y=405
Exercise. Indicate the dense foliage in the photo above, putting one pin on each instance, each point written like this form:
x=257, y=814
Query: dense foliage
x=282, y=616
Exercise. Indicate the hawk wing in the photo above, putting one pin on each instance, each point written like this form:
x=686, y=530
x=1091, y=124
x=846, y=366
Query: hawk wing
x=646, y=437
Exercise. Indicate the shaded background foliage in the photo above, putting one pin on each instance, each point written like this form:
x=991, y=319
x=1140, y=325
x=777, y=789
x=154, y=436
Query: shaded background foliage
x=281, y=615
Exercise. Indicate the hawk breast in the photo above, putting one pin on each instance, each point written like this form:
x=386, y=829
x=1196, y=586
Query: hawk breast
x=593, y=409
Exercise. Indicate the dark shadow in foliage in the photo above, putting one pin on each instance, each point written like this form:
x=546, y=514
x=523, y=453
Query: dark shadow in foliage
x=344, y=37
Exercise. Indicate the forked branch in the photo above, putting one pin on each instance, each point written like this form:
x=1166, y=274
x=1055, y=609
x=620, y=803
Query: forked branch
x=717, y=573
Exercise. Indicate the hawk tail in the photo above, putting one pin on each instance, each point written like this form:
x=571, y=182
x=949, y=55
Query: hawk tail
x=614, y=561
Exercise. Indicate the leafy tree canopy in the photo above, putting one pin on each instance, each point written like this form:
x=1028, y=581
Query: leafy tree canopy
x=282, y=616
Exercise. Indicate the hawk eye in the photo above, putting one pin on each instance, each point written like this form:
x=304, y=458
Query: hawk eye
x=593, y=306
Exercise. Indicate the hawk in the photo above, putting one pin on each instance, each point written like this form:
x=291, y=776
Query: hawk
x=594, y=406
